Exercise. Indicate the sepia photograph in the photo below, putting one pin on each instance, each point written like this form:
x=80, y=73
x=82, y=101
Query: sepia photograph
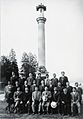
x=41, y=59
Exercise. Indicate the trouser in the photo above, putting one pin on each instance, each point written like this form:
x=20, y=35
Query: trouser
x=27, y=107
x=78, y=106
x=66, y=109
x=9, y=102
x=18, y=106
x=46, y=105
x=36, y=106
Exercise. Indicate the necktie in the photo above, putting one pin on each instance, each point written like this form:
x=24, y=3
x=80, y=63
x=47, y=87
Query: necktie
x=36, y=95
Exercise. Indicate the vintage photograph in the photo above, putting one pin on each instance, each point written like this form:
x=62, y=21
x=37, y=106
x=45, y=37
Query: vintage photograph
x=41, y=59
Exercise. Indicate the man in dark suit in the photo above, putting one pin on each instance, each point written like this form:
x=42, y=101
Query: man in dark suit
x=68, y=87
x=63, y=79
x=54, y=80
x=42, y=86
x=30, y=79
x=32, y=88
x=18, y=99
x=56, y=98
x=27, y=100
x=13, y=79
x=38, y=79
x=66, y=102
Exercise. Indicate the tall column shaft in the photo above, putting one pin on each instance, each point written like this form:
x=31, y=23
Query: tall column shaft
x=41, y=40
x=41, y=44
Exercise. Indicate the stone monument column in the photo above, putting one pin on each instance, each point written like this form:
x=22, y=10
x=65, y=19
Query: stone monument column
x=41, y=34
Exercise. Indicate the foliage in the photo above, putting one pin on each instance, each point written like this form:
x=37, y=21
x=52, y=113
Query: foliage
x=29, y=64
x=9, y=64
x=13, y=60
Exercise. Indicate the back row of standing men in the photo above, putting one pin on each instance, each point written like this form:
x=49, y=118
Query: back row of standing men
x=43, y=95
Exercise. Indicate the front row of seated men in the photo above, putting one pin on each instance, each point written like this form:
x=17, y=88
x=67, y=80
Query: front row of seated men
x=42, y=99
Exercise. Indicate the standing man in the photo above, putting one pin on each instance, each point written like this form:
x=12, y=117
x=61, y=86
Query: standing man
x=47, y=80
x=36, y=101
x=54, y=80
x=13, y=79
x=63, y=79
x=38, y=79
x=42, y=86
x=30, y=79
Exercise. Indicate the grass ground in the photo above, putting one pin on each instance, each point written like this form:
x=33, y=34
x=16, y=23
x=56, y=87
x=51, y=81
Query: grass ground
x=4, y=115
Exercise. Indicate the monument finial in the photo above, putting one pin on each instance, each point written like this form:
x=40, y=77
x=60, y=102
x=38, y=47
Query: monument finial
x=41, y=6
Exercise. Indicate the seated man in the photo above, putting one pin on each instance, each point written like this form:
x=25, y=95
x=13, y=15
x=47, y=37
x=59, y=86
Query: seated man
x=27, y=100
x=66, y=102
x=46, y=97
x=36, y=101
x=9, y=96
x=56, y=99
x=18, y=99
x=79, y=90
x=75, y=101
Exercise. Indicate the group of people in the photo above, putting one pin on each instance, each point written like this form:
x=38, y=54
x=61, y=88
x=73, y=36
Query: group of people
x=42, y=95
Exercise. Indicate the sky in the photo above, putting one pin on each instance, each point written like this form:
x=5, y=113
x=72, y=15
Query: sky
x=63, y=33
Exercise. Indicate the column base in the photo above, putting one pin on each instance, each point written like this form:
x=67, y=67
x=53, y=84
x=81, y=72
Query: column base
x=42, y=70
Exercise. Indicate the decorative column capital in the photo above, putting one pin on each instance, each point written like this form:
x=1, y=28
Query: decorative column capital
x=41, y=20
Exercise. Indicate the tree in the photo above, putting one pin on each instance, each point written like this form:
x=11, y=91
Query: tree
x=5, y=69
x=13, y=60
x=29, y=64
x=12, y=56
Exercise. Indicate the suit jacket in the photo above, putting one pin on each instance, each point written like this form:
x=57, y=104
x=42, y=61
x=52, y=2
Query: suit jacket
x=75, y=97
x=47, y=94
x=38, y=81
x=36, y=96
x=47, y=82
x=63, y=81
x=30, y=81
x=54, y=82
x=18, y=95
x=66, y=98
x=41, y=88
